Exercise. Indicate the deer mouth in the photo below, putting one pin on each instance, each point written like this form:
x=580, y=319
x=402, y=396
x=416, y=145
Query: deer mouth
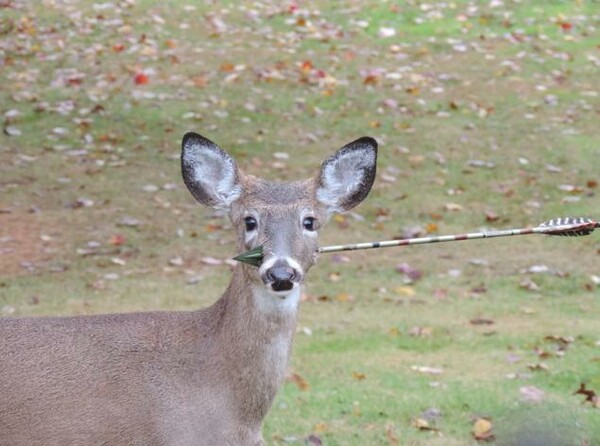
x=282, y=285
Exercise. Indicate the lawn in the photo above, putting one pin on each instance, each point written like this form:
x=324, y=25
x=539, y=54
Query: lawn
x=486, y=114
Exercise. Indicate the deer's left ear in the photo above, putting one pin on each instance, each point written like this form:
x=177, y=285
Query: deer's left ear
x=347, y=176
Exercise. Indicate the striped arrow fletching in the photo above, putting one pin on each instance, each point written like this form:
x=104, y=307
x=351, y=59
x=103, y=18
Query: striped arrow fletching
x=568, y=226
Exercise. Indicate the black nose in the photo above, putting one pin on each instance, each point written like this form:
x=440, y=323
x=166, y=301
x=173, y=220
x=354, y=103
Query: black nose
x=281, y=277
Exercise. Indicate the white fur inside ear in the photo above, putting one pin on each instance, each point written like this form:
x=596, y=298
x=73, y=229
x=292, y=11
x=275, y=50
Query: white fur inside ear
x=342, y=177
x=214, y=172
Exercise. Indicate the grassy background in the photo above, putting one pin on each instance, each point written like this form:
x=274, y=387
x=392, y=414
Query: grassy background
x=487, y=116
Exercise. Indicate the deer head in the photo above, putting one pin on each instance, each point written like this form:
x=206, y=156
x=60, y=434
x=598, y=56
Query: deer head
x=283, y=218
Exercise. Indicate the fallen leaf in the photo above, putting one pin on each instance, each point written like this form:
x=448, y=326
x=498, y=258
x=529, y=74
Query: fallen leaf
x=344, y=297
x=302, y=384
x=12, y=131
x=411, y=274
x=566, y=26
x=386, y=32
x=194, y=279
x=118, y=261
x=335, y=276
x=391, y=436
x=539, y=367
x=491, y=216
x=590, y=395
x=320, y=427
x=420, y=331
x=532, y=394
x=313, y=440
x=176, y=261
x=427, y=370
x=359, y=376
x=116, y=240
x=405, y=291
x=129, y=221
x=141, y=79
x=431, y=228
x=211, y=261
x=479, y=289
x=431, y=414
x=481, y=321
x=482, y=430
x=529, y=285
x=453, y=207
x=423, y=425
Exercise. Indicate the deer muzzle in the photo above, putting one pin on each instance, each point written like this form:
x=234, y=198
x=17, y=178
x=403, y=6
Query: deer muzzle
x=280, y=274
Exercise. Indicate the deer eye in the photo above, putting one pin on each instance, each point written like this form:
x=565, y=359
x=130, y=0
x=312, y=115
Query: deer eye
x=250, y=223
x=309, y=224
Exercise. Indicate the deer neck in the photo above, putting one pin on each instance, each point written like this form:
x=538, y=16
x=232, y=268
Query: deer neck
x=256, y=334
x=250, y=306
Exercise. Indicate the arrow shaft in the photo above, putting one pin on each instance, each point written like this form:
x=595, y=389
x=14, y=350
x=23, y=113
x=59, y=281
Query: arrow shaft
x=555, y=230
x=566, y=226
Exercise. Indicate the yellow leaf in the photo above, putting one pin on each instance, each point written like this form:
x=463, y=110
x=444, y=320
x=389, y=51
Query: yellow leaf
x=431, y=228
x=413, y=90
x=453, y=207
x=421, y=423
x=416, y=160
x=358, y=376
x=482, y=429
x=335, y=276
x=343, y=297
x=405, y=291
x=320, y=427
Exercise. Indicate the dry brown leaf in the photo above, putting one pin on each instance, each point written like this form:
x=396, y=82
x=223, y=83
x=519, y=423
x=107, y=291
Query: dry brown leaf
x=482, y=321
x=302, y=384
x=590, y=395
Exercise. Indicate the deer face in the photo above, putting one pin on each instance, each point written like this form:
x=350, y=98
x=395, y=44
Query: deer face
x=283, y=218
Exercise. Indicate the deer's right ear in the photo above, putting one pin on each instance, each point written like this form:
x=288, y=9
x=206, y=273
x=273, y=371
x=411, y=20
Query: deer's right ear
x=347, y=176
x=208, y=172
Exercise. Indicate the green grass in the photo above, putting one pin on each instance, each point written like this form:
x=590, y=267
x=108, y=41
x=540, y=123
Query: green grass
x=491, y=100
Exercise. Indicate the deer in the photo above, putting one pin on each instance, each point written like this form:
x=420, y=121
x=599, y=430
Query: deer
x=204, y=377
